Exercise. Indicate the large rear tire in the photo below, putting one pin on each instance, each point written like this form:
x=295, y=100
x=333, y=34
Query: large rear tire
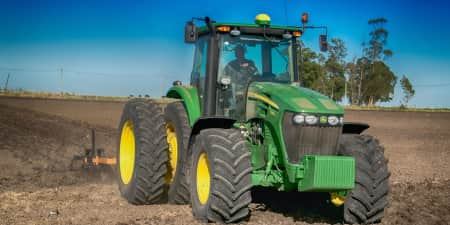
x=365, y=204
x=142, y=153
x=178, y=132
x=221, y=176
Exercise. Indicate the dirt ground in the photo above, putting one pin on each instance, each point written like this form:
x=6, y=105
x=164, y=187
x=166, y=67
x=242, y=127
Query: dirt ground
x=38, y=185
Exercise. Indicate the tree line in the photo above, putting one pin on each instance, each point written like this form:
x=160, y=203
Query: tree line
x=366, y=80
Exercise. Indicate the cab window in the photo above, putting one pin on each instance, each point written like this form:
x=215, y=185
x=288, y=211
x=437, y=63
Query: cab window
x=199, y=68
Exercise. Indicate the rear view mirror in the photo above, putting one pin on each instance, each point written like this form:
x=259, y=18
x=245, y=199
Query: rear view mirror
x=323, y=43
x=190, y=32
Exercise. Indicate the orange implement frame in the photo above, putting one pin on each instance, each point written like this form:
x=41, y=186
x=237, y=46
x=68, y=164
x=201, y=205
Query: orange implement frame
x=101, y=161
x=93, y=157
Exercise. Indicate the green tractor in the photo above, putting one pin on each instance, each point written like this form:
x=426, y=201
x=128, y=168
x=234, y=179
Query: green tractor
x=246, y=121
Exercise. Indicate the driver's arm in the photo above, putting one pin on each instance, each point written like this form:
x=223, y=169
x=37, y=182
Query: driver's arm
x=230, y=69
x=252, y=68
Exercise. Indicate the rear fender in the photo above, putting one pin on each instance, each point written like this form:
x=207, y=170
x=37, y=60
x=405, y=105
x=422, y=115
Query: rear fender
x=189, y=96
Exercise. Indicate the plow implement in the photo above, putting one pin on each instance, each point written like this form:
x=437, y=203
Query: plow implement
x=93, y=157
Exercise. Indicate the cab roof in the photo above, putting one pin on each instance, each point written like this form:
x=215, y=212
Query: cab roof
x=249, y=28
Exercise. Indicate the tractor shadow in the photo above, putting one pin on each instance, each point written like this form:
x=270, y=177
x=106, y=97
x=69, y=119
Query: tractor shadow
x=306, y=207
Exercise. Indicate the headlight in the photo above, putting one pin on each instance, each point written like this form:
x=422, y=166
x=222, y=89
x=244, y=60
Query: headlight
x=333, y=120
x=341, y=120
x=311, y=120
x=299, y=119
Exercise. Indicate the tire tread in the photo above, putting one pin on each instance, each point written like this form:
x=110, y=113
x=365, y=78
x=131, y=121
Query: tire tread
x=367, y=201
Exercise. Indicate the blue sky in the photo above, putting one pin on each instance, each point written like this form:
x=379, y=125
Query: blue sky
x=136, y=47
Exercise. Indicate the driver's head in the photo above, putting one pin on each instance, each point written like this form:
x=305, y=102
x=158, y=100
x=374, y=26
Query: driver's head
x=239, y=51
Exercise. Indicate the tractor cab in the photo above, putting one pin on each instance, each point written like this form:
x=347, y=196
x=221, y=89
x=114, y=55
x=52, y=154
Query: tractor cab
x=228, y=57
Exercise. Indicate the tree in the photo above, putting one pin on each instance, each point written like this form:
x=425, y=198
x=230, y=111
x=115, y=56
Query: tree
x=358, y=74
x=374, y=79
x=311, y=71
x=355, y=70
x=379, y=84
x=352, y=85
x=325, y=74
x=370, y=80
x=375, y=50
x=408, y=90
x=335, y=67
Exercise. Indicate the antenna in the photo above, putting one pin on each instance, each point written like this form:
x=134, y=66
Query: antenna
x=285, y=11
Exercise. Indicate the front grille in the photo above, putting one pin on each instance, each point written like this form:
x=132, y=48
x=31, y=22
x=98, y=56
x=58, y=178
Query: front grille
x=309, y=140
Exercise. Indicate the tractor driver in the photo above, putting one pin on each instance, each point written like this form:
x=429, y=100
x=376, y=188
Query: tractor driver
x=240, y=69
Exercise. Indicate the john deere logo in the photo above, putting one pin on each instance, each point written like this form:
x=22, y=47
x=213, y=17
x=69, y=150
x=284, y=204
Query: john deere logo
x=323, y=119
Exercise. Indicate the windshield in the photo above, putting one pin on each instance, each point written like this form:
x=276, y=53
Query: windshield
x=248, y=57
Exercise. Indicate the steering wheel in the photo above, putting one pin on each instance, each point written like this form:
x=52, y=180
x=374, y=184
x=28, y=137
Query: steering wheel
x=267, y=76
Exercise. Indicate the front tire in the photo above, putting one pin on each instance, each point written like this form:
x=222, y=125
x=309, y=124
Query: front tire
x=141, y=153
x=365, y=204
x=221, y=176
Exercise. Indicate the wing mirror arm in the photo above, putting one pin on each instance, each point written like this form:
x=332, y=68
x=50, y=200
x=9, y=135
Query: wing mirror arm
x=191, y=32
x=323, y=38
x=323, y=42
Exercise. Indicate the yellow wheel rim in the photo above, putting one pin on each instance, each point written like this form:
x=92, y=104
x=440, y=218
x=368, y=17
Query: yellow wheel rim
x=203, y=178
x=337, y=199
x=173, y=152
x=127, y=152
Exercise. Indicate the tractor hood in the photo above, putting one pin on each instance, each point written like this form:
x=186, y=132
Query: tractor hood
x=293, y=98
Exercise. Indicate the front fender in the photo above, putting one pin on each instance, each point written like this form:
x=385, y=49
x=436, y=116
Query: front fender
x=212, y=122
x=354, y=127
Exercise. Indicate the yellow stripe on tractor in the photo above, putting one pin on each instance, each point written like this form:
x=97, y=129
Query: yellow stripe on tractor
x=264, y=99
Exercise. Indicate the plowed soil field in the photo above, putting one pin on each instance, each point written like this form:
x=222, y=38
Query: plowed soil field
x=39, y=184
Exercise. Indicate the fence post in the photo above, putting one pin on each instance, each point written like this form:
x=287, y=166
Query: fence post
x=6, y=83
x=61, y=71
